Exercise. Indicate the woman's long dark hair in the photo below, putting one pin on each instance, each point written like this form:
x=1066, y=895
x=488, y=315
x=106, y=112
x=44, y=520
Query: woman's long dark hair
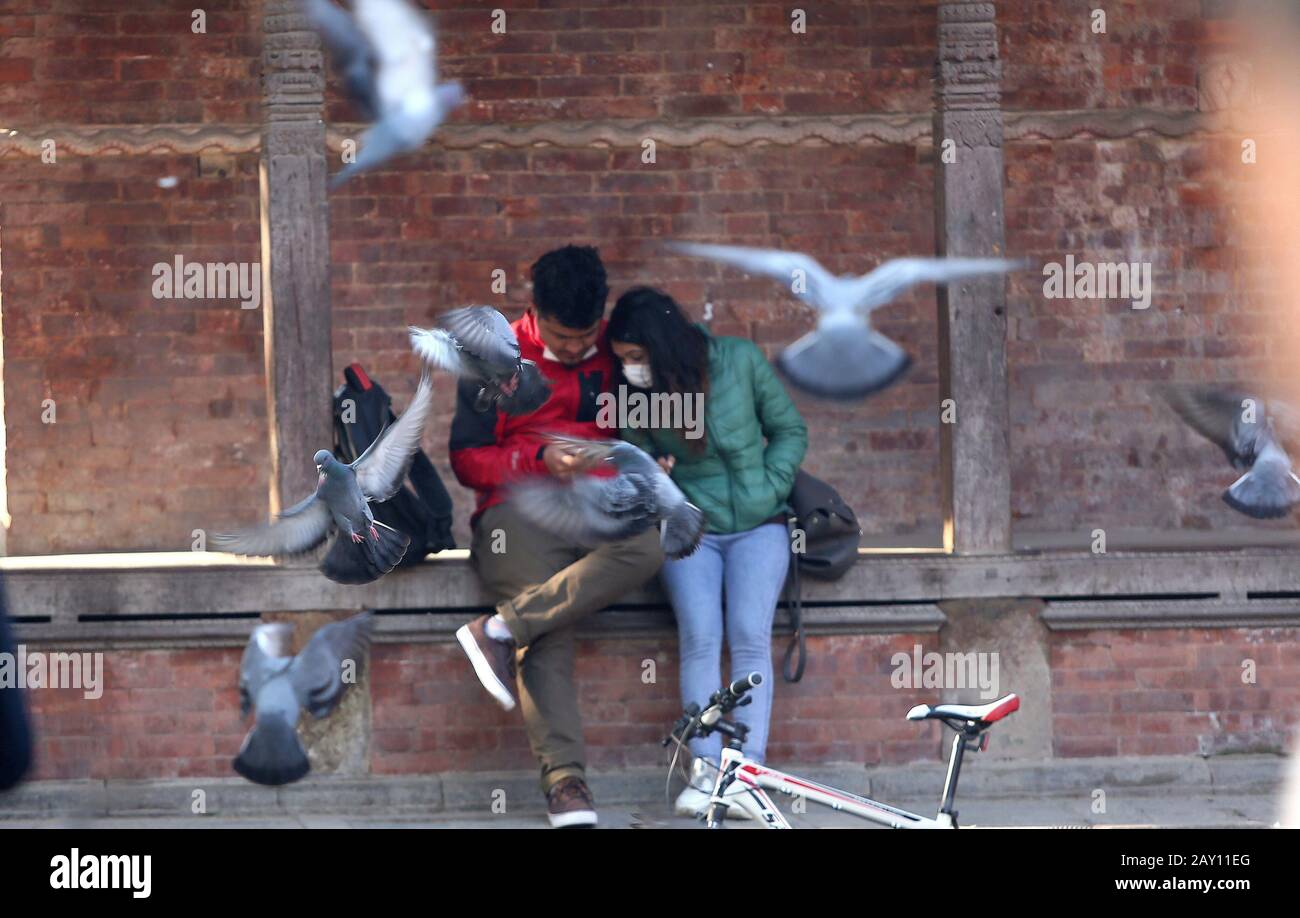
x=679, y=350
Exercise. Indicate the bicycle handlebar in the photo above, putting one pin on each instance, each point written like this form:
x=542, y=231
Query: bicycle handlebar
x=695, y=722
x=741, y=686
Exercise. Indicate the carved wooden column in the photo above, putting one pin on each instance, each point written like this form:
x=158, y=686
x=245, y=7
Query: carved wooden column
x=295, y=250
x=972, y=314
x=296, y=300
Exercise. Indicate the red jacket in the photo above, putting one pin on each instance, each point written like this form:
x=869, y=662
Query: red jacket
x=491, y=448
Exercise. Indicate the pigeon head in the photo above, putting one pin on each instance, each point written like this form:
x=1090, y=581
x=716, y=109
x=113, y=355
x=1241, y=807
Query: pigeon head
x=323, y=458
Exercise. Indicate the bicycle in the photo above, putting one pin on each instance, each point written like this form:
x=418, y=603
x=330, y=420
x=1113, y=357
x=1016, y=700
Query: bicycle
x=969, y=721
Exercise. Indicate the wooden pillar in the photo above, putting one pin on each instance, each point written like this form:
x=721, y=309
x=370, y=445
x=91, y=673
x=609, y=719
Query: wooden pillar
x=296, y=326
x=972, y=314
x=295, y=250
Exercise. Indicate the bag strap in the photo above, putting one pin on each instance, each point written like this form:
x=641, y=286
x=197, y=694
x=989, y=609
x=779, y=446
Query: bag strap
x=794, y=603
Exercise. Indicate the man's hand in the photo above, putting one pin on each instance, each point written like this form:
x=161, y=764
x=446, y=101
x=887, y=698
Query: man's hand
x=666, y=463
x=563, y=464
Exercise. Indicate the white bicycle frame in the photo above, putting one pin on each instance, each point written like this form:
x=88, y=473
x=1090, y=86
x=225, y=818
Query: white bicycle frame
x=758, y=779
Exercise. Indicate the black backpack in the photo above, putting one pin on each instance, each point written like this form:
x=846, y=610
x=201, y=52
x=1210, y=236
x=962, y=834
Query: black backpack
x=831, y=534
x=423, y=514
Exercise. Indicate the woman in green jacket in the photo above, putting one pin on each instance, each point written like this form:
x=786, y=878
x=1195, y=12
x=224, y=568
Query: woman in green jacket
x=737, y=463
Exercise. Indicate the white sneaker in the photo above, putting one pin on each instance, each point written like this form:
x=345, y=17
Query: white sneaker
x=694, y=800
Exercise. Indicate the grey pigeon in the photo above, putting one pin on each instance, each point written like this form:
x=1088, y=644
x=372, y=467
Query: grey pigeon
x=364, y=549
x=387, y=53
x=844, y=357
x=1246, y=428
x=278, y=686
x=588, y=510
x=478, y=344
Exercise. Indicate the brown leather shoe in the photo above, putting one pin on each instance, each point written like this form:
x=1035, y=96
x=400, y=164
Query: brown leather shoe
x=493, y=660
x=569, y=805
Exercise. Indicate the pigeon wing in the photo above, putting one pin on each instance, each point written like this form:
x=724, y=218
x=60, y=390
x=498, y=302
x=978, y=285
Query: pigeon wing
x=349, y=49
x=631, y=458
x=1286, y=422
x=573, y=511
x=296, y=531
x=317, y=672
x=485, y=333
x=437, y=348
x=773, y=263
x=1214, y=414
x=403, y=40
x=893, y=277
x=382, y=468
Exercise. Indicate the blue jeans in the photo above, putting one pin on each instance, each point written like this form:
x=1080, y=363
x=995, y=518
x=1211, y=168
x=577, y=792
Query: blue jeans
x=750, y=567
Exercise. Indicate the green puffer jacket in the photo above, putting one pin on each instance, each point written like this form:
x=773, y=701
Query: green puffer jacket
x=738, y=480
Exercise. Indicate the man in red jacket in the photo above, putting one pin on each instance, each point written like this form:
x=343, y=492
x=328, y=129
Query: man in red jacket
x=545, y=585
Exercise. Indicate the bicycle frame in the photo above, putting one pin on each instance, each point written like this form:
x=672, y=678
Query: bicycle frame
x=758, y=779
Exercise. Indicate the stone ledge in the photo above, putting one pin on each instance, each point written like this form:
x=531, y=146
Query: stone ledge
x=470, y=793
x=1180, y=613
x=189, y=601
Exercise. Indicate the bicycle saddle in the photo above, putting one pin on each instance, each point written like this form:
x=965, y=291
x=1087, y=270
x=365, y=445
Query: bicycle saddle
x=983, y=714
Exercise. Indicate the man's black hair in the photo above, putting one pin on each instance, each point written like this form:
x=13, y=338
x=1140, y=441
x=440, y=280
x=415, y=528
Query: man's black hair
x=569, y=286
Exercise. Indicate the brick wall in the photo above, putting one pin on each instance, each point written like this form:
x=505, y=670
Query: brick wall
x=104, y=62
x=1092, y=442
x=159, y=405
x=176, y=713
x=1143, y=693
x=1147, y=56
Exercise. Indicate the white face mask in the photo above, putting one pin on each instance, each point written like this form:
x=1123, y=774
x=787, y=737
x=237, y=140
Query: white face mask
x=638, y=374
x=548, y=354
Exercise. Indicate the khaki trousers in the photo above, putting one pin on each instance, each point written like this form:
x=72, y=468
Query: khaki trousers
x=546, y=587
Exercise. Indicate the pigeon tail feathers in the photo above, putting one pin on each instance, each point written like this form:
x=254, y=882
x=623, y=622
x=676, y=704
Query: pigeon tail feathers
x=355, y=563
x=272, y=753
x=1265, y=492
x=680, y=531
x=843, y=362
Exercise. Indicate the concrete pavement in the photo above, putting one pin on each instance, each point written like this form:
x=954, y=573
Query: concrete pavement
x=1220, y=791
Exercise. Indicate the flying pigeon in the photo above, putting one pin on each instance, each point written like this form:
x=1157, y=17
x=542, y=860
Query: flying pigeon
x=844, y=357
x=477, y=343
x=1245, y=427
x=588, y=510
x=387, y=54
x=364, y=548
x=279, y=685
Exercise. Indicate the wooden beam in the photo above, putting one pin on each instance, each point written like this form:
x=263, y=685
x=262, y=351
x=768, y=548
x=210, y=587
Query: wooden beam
x=1217, y=588
x=295, y=251
x=974, y=440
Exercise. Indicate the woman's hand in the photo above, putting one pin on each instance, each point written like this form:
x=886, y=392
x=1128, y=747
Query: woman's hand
x=666, y=463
